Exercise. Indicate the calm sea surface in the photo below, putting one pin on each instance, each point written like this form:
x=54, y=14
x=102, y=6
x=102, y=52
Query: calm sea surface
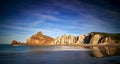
x=50, y=55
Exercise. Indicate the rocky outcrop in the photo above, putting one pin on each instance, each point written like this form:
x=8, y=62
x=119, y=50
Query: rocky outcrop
x=94, y=38
x=107, y=39
x=39, y=39
x=104, y=38
x=14, y=42
x=64, y=40
x=80, y=39
x=91, y=38
x=69, y=40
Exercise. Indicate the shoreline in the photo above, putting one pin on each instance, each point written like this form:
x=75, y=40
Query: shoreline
x=81, y=45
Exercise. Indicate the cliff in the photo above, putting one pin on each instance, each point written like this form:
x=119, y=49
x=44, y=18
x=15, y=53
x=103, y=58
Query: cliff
x=94, y=38
x=39, y=39
x=90, y=38
x=64, y=40
x=104, y=38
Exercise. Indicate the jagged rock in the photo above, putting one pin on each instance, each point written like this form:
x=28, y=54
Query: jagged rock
x=90, y=38
x=80, y=39
x=109, y=40
x=39, y=39
x=14, y=42
x=64, y=40
x=96, y=39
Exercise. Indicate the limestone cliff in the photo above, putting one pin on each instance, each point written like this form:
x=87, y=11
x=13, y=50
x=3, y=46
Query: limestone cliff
x=105, y=38
x=69, y=40
x=64, y=40
x=90, y=38
x=39, y=39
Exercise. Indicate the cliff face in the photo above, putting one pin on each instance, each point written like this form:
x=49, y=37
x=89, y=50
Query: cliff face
x=39, y=39
x=91, y=38
x=105, y=38
x=64, y=40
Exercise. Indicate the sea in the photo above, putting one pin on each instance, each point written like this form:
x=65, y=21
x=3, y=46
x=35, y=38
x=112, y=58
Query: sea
x=51, y=55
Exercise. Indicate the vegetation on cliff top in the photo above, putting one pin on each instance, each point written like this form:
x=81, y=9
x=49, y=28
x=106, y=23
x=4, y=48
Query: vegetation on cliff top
x=112, y=35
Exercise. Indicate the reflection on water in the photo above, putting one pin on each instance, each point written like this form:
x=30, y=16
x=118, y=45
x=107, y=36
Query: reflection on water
x=105, y=51
x=52, y=55
x=60, y=48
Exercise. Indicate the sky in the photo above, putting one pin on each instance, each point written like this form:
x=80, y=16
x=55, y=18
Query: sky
x=20, y=19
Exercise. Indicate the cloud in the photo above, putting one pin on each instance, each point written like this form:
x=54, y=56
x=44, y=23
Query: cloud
x=47, y=16
x=57, y=17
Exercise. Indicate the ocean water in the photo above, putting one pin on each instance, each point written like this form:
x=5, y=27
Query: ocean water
x=51, y=55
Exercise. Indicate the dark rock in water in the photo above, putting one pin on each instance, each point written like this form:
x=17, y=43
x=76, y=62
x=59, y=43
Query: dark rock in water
x=14, y=42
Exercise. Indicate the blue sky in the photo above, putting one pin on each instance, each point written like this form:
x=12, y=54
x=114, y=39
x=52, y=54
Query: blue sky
x=19, y=19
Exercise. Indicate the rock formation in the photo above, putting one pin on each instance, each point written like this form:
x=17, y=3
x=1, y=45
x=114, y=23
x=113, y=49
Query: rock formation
x=64, y=40
x=93, y=38
x=104, y=38
x=80, y=39
x=90, y=38
x=39, y=39
x=14, y=42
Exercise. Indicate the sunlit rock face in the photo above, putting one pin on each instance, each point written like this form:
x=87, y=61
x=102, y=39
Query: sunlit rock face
x=102, y=38
x=80, y=39
x=96, y=39
x=110, y=40
x=65, y=40
x=90, y=38
x=39, y=39
x=69, y=40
